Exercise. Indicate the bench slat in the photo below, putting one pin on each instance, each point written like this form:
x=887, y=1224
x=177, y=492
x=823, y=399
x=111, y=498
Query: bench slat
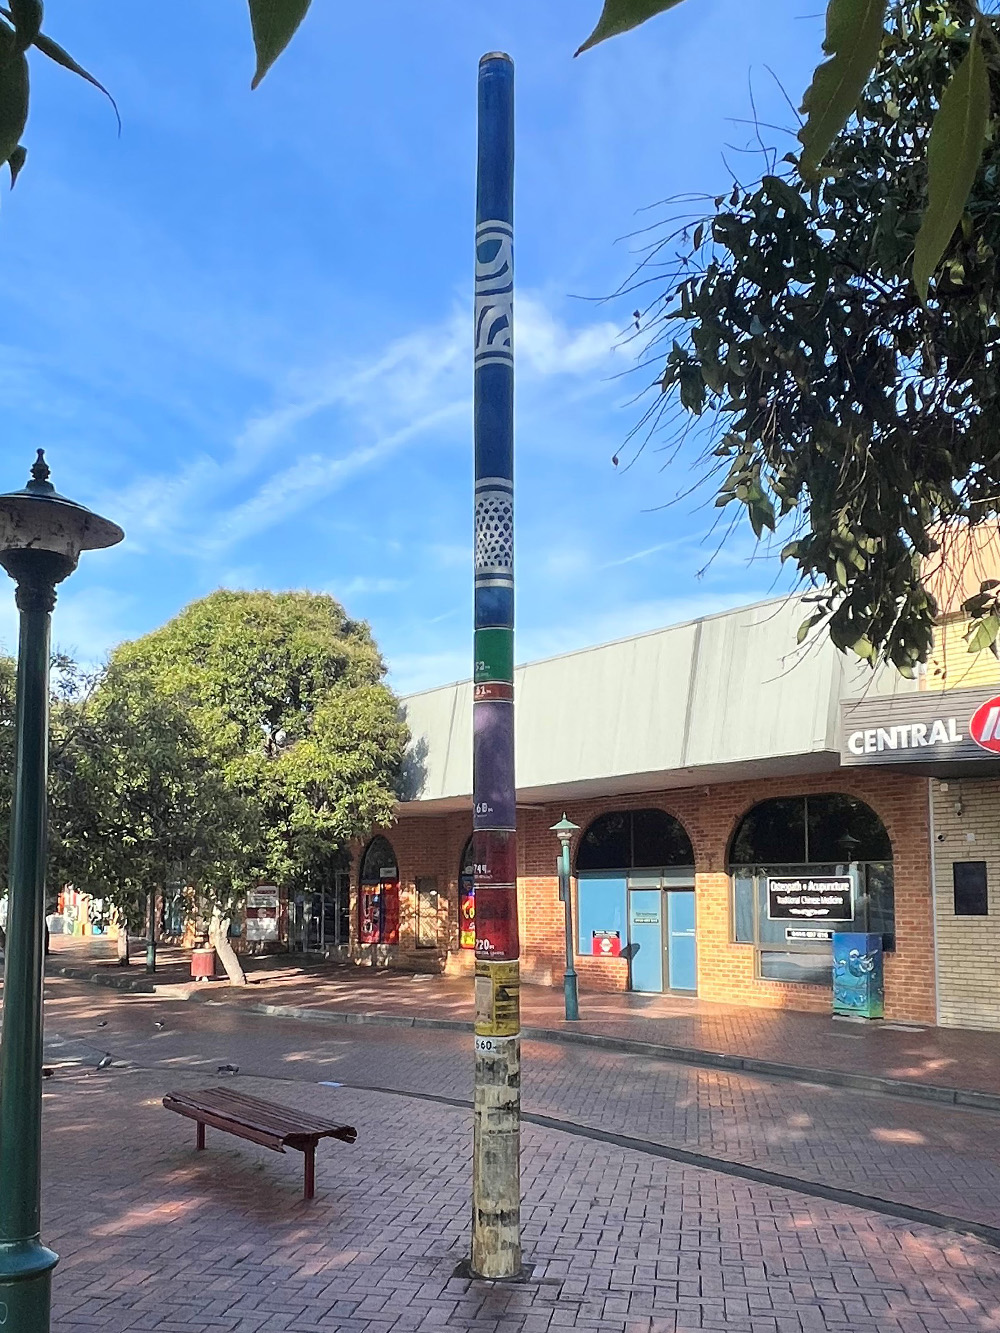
x=226, y=1123
x=265, y=1113
x=264, y=1122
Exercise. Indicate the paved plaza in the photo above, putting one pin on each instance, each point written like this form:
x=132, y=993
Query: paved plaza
x=156, y=1237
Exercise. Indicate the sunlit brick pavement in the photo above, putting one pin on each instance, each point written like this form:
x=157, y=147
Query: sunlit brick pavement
x=944, y=1159
x=155, y=1237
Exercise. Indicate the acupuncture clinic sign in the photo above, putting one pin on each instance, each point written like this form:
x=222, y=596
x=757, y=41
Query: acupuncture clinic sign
x=927, y=727
x=810, y=898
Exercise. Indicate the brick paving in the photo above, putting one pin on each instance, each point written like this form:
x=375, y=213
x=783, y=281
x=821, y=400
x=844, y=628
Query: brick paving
x=942, y=1158
x=157, y=1239
x=944, y=1057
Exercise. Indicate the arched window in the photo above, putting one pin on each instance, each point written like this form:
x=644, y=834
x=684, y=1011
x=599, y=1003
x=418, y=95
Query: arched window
x=378, y=894
x=634, y=840
x=467, y=898
x=379, y=862
x=830, y=837
x=635, y=873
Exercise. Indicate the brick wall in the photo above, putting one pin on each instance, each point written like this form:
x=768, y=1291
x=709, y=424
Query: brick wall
x=433, y=845
x=967, y=828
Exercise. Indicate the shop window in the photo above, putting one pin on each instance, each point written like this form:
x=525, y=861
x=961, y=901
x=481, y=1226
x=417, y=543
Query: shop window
x=600, y=909
x=378, y=894
x=971, y=896
x=814, y=837
x=632, y=840
x=467, y=899
x=427, y=913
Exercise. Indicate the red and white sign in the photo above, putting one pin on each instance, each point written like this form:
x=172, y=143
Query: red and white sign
x=605, y=944
x=985, y=725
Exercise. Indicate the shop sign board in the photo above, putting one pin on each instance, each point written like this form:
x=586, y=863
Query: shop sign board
x=262, y=913
x=606, y=943
x=924, y=728
x=807, y=933
x=810, y=898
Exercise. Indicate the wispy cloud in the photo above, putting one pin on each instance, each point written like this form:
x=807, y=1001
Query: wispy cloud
x=420, y=384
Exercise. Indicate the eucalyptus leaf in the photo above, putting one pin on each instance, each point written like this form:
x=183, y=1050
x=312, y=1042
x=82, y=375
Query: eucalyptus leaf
x=16, y=163
x=621, y=15
x=62, y=57
x=984, y=634
x=13, y=93
x=27, y=16
x=954, y=153
x=274, y=23
x=854, y=32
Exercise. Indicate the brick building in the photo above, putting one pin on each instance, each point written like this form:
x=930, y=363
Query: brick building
x=702, y=763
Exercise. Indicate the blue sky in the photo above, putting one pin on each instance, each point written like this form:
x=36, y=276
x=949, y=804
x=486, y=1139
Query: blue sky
x=243, y=328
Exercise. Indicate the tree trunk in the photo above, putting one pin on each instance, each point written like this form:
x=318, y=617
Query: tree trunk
x=123, y=958
x=218, y=937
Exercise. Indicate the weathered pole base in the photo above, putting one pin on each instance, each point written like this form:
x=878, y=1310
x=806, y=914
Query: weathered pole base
x=496, y=1152
x=26, y=1287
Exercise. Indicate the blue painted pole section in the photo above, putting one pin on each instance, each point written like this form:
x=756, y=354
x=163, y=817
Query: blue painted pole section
x=496, y=1238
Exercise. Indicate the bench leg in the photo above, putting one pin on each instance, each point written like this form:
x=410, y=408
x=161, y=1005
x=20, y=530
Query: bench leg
x=310, y=1156
x=200, y=1141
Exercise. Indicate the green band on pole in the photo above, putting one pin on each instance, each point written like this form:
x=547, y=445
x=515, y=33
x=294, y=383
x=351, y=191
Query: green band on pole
x=494, y=655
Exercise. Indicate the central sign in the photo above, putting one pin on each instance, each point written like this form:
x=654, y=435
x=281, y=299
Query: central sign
x=810, y=898
x=928, y=726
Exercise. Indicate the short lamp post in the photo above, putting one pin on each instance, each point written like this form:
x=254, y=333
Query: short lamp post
x=41, y=537
x=564, y=831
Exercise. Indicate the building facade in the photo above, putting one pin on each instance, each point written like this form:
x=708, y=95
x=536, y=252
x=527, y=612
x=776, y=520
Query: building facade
x=707, y=765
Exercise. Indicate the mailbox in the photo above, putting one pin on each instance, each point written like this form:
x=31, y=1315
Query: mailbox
x=606, y=944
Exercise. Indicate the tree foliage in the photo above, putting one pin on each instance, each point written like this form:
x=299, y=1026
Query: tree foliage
x=287, y=695
x=855, y=33
x=834, y=397
x=252, y=737
x=273, y=23
x=136, y=799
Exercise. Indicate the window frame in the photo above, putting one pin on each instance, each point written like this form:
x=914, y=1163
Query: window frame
x=757, y=873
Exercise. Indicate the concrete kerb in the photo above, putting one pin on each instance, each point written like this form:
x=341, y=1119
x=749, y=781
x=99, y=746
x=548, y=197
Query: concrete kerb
x=704, y=1059
x=831, y=1078
x=137, y=985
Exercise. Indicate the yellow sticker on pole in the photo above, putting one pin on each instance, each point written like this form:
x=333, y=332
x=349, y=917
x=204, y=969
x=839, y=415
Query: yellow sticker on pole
x=498, y=992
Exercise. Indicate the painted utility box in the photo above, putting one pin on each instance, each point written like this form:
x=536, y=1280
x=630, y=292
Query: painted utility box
x=858, y=984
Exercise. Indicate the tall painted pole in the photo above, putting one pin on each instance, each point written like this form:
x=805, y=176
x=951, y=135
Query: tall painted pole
x=496, y=1186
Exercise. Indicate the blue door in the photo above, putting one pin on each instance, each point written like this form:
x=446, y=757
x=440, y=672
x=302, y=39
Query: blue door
x=645, y=930
x=682, y=947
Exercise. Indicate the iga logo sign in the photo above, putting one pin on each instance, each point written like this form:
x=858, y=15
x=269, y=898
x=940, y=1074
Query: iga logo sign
x=985, y=725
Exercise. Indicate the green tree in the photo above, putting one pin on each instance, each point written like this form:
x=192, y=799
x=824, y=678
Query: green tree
x=287, y=695
x=832, y=397
x=137, y=800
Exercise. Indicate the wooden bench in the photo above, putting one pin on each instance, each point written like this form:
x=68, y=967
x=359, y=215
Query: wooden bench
x=266, y=1123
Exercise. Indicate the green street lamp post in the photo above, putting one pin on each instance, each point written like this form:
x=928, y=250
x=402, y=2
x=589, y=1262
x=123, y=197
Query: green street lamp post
x=564, y=831
x=41, y=537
